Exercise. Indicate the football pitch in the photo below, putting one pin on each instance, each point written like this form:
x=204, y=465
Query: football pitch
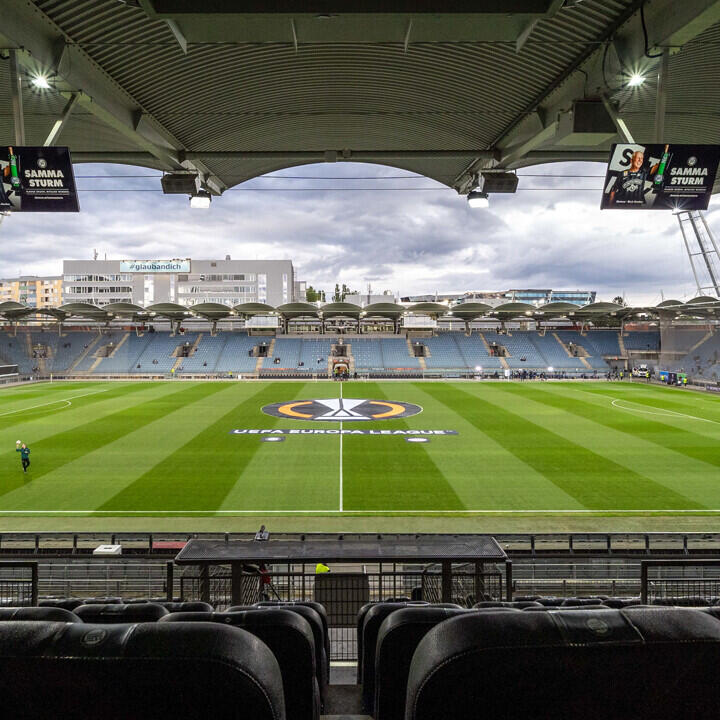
x=166, y=449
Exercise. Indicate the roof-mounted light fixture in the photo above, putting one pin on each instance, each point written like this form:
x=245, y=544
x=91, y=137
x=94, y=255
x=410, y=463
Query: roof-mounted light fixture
x=200, y=201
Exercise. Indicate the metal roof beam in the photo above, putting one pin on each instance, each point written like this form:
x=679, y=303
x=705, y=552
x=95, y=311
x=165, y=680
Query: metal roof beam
x=60, y=123
x=45, y=48
x=670, y=24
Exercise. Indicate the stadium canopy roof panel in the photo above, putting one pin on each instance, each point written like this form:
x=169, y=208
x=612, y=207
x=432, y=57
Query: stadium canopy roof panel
x=296, y=310
x=250, y=309
x=428, y=308
x=340, y=309
x=556, y=309
x=512, y=310
x=470, y=310
x=171, y=311
x=391, y=311
x=232, y=90
x=14, y=310
x=84, y=310
x=212, y=311
x=126, y=309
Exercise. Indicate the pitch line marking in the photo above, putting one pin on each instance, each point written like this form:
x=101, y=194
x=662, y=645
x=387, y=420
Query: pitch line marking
x=603, y=511
x=662, y=412
x=54, y=402
x=341, y=457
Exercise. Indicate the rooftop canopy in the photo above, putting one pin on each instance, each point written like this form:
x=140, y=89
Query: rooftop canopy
x=290, y=311
x=510, y=310
x=212, y=311
x=429, y=308
x=250, y=309
x=340, y=309
x=392, y=311
x=171, y=311
x=470, y=310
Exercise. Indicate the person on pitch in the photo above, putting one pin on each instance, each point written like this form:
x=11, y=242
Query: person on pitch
x=24, y=451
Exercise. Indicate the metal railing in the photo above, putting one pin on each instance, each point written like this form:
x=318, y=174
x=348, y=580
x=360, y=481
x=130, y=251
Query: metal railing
x=680, y=581
x=18, y=583
x=515, y=544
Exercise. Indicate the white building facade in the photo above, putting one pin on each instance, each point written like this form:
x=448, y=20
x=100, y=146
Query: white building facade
x=183, y=281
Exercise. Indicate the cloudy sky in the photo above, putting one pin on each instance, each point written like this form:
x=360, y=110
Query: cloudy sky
x=340, y=228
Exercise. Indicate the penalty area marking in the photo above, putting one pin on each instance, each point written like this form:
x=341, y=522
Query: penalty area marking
x=54, y=402
x=662, y=412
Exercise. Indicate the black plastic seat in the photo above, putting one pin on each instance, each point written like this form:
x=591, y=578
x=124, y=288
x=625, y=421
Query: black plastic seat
x=582, y=602
x=289, y=637
x=321, y=663
x=113, y=614
x=619, y=603
x=182, y=671
x=361, y=621
x=64, y=603
x=655, y=663
x=398, y=637
x=174, y=606
x=39, y=614
x=103, y=601
x=517, y=604
x=374, y=618
x=319, y=609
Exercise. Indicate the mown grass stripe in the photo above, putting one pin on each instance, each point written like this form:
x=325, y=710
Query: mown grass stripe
x=594, y=480
x=646, y=448
x=484, y=474
x=62, y=414
x=678, y=439
x=57, y=450
x=298, y=473
x=97, y=475
x=386, y=472
x=200, y=473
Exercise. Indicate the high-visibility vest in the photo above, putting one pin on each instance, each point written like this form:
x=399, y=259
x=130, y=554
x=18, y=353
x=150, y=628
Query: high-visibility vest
x=321, y=568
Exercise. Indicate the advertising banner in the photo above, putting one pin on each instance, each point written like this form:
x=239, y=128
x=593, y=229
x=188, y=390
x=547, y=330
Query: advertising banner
x=660, y=177
x=37, y=179
x=154, y=266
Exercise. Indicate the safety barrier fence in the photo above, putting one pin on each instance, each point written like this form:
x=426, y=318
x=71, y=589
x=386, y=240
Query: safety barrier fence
x=516, y=545
x=688, y=581
x=18, y=583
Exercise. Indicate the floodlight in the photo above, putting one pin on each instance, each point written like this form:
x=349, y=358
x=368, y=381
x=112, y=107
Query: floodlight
x=636, y=79
x=550, y=369
x=478, y=368
x=478, y=199
x=200, y=201
x=41, y=82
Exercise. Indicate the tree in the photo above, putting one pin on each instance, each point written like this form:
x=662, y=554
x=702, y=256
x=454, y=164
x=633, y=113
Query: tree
x=311, y=294
x=336, y=296
x=619, y=300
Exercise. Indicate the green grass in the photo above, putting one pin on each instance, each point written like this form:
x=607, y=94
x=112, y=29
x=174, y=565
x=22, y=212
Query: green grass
x=525, y=450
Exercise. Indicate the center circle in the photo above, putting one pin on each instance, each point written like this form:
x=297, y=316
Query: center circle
x=342, y=410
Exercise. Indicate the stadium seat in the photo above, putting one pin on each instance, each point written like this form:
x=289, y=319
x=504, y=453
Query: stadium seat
x=374, y=618
x=289, y=637
x=319, y=609
x=580, y=602
x=45, y=614
x=516, y=604
x=312, y=616
x=181, y=671
x=361, y=622
x=112, y=614
x=397, y=639
x=175, y=606
x=103, y=601
x=585, y=664
x=620, y=602
x=65, y=603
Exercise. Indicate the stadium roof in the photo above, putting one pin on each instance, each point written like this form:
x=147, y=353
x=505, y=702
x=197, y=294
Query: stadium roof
x=340, y=309
x=232, y=90
x=698, y=307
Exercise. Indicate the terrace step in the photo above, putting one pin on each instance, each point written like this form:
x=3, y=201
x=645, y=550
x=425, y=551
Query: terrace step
x=89, y=349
